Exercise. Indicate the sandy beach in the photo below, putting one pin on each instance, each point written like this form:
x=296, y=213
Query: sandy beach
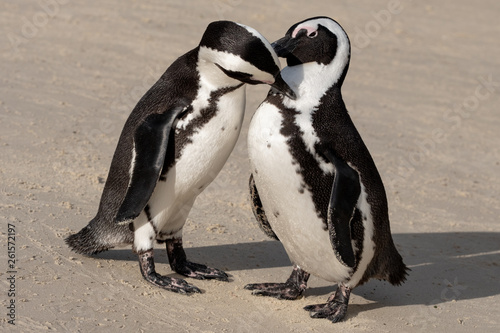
x=423, y=89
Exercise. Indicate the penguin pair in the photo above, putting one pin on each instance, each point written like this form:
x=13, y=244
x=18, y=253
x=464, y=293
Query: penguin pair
x=174, y=143
x=313, y=184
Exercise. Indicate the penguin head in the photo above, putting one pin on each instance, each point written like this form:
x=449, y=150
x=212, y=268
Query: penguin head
x=242, y=53
x=318, y=40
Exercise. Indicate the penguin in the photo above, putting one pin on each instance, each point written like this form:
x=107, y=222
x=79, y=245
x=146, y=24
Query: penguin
x=173, y=144
x=314, y=185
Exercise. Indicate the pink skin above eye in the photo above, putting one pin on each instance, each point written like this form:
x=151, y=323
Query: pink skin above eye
x=310, y=30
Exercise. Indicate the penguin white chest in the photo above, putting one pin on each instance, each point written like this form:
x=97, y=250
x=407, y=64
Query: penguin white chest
x=201, y=159
x=287, y=202
x=210, y=146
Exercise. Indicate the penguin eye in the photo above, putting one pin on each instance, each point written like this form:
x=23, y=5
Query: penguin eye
x=313, y=34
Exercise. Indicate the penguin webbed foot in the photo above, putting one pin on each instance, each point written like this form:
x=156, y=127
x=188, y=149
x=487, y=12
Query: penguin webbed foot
x=179, y=263
x=172, y=284
x=335, y=309
x=292, y=289
x=276, y=290
x=200, y=272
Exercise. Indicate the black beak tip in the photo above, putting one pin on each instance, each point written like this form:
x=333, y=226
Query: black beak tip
x=276, y=45
x=291, y=94
x=281, y=86
x=284, y=46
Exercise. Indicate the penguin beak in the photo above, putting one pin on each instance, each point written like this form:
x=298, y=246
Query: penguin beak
x=283, y=87
x=284, y=46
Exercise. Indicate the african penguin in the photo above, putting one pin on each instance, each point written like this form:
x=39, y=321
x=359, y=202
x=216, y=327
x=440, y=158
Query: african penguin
x=174, y=143
x=314, y=185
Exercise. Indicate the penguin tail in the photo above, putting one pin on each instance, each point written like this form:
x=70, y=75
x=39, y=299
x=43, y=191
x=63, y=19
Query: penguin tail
x=389, y=266
x=86, y=242
x=398, y=271
x=93, y=238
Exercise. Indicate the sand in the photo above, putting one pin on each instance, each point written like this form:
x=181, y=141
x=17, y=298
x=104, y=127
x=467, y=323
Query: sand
x=423, y=89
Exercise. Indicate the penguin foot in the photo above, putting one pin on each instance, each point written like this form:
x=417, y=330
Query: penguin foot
x=200, y=272
x=147, y=266
x=292, y=289
x=179, y=263
x=336, y=307
x=172, y=284
x=277, y=290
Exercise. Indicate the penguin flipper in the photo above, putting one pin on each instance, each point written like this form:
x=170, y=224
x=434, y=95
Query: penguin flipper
x=150, y=148
x=258, y=210
x=343, y=199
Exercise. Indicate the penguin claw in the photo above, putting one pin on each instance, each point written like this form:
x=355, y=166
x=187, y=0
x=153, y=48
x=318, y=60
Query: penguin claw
x=314, y=307
x=333, y=311
x=172, y=284
x=179, y=263
x=201, y=272
x=292, y=289
x=147, y=266
x=276, y=290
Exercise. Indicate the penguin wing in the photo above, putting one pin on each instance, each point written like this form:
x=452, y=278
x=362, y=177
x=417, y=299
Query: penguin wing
x=150, y=148
x=258, y=210
x=343, y=199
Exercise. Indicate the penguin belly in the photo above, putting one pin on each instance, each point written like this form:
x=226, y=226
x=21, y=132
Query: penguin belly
x=288, y=205
x=199, y=163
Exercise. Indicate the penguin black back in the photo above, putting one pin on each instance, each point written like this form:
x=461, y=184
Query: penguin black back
x=180, y=79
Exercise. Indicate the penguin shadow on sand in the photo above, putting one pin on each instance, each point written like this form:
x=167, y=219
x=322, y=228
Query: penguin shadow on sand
x=228, y=257
x=445, y=267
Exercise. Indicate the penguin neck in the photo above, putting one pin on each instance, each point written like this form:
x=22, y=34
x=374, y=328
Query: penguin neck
x=311, y=81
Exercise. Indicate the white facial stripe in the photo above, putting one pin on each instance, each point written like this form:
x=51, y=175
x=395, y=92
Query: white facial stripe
x=329, y=24
x=230, y=62
x=309, y=29
x=264, y=41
